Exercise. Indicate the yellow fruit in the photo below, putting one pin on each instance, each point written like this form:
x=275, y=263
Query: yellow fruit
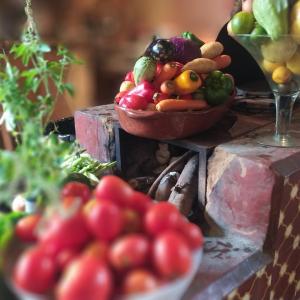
x=295, y=30
x=229, y=29
x=270, y=66
x=295, y=13
x=279, y=51
x=126, y=86
x=282, y=75
x=294, y=63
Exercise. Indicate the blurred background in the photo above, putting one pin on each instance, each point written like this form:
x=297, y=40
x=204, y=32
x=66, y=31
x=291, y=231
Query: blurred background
x=108, y=35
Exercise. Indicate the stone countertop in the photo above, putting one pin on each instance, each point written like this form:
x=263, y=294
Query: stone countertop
x=233, y=261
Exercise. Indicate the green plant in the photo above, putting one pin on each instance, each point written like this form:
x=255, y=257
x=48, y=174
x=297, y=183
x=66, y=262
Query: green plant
x=30, y=83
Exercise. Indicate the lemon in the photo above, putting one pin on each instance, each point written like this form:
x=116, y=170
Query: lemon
x=295, y=12
x=279, y=51
x=282, y=75
x=295, y=30
x=243, y=22
x=294, y=63
x=270, y=66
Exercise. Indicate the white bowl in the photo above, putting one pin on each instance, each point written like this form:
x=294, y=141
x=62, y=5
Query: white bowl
x=170, y=291
x=175, y=289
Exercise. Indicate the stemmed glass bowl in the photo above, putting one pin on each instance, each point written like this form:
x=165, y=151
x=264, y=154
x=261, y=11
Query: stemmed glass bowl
x=280, y=62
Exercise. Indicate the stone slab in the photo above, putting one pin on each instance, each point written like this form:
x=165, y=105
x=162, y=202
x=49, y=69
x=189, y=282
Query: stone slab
x=241, y=183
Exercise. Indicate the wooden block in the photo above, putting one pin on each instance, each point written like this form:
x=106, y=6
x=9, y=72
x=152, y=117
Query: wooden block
x=94, y=129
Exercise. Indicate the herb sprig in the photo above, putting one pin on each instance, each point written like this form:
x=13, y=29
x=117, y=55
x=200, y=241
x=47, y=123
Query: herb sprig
x=30, y=86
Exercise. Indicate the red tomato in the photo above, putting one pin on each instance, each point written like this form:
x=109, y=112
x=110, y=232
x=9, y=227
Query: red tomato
x=35, y=271
x=98, y=249
x=76, y=190
x=61, y=233
x=162, y=216
x=139, y=281
x=132, y=221
x=114, y=189
x=85, y=278
x=130, y=251
x=104, y=220
x=65, y=257
x=26, y=228
x=192, y=233
x=172, y=256
x=139, y=202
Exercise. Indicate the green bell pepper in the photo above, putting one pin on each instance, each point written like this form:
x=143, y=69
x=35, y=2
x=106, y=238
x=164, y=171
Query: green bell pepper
x=190, y=36
x=218, y=87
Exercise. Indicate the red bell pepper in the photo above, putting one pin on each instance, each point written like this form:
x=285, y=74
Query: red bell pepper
x=134, y=102
x=129, y=77
x=119, y=96
x=145, y=89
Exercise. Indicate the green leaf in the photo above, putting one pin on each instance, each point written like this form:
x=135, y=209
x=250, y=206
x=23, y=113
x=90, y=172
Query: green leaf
x=69, y=88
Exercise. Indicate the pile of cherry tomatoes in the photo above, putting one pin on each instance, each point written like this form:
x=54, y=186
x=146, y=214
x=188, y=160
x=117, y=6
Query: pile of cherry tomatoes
x=103, y=244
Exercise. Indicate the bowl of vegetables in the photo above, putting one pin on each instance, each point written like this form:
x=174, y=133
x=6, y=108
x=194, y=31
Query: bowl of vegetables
x=140, y=249
x=176, y=89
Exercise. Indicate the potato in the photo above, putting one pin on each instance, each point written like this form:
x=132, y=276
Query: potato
x=201, y=65
x=212, y=49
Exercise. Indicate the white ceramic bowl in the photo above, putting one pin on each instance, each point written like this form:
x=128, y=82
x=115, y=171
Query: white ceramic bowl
x=170, y=291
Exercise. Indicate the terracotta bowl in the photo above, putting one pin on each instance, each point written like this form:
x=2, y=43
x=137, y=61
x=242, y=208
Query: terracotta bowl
x=170, y=125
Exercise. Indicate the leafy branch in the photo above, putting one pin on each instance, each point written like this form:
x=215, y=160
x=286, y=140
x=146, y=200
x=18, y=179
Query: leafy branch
x=30, y=85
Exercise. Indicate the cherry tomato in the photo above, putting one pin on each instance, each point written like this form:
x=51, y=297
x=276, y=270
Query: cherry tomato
x=60, y=232
x=139, y=202
x=172, y=256
x=114, y=189
x=192, y=233
x=105, y=220
x=65, y=257
x=132, y=221
x=85, y=278
x=26, y=228
x=130, y=251
x=160, y=217
x=35, y=271
x=77, y=190
x=98, y=249
x=139, y=281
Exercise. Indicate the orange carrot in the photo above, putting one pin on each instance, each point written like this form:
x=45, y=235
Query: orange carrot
x=168, y=71
x=222, y=61
x=180, y=105
x=168, y=87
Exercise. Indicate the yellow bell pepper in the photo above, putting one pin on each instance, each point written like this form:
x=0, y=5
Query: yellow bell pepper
x=187, y=82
